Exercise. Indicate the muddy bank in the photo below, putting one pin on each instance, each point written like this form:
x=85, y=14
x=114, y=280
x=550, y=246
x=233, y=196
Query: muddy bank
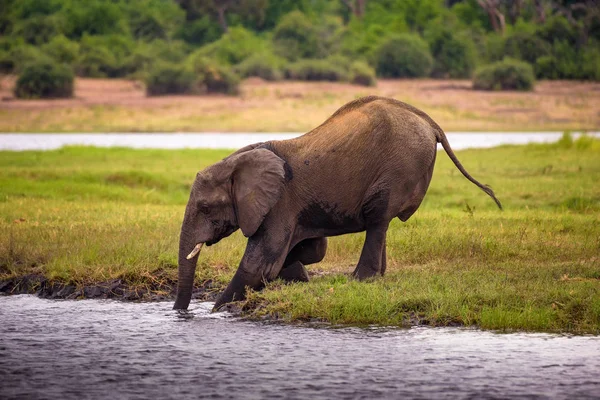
x=116, y=289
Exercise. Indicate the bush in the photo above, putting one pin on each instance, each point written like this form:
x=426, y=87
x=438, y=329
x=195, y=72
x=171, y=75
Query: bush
x=403, y=56
x=20, y=56
x=316, y=70
x=39, y=29
x=167, y=78
x=233, y=47
x=360, y=73
x=105, y=56
x=45, y=80
x=199, y=32
x=214, y=77
x=266, y=66
x=525, y=46
x=504, y=75
x=62, y=50
x=454, y=56
x=296, y=37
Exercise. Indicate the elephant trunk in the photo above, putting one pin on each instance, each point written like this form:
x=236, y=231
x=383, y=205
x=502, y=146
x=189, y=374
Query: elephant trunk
x=187, y=270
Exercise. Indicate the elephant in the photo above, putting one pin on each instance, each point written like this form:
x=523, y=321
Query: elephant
x=370, y=162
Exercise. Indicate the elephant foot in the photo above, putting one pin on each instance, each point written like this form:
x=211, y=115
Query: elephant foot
x=362, y=272
x=295, y=272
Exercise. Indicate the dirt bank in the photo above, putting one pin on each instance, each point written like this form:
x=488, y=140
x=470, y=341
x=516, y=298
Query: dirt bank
x=103, y=105
x=114, y=289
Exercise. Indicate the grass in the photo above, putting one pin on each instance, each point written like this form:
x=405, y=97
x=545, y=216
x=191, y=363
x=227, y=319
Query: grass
x=87, y=215
x=112, y=105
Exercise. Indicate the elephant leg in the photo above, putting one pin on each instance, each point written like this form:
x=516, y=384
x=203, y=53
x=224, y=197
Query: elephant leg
x=262, y=262
x=308, y=251
x=383, y=259
x=370, y=262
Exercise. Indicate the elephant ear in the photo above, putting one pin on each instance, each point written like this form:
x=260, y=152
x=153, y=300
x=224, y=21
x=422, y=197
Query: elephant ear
x=258, y=181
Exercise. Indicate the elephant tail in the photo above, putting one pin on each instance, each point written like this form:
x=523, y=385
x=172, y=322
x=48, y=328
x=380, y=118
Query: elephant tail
x=441, y=138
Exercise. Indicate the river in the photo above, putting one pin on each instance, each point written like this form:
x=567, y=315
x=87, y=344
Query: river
x=50, y=141
x=92, y=349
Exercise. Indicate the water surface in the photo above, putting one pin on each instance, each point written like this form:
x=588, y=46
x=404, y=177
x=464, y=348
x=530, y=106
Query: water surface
x=50, y=141
x=108, y=349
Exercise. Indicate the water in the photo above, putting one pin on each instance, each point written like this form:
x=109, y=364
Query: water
x=107, y=349
x=43, y=141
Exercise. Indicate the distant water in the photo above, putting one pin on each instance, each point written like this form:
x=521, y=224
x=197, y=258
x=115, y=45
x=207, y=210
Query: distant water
x=50, y=141
x=91, y=349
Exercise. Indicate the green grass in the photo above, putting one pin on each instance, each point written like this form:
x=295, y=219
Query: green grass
x=85, y=215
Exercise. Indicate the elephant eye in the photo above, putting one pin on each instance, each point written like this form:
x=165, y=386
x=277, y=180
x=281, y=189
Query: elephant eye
x=203, y=208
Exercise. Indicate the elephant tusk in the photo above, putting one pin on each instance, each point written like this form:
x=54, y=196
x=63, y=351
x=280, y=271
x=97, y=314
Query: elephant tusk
x=195, y=251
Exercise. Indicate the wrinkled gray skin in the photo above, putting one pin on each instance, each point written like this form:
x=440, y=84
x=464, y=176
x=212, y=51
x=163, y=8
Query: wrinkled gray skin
x=370, y=162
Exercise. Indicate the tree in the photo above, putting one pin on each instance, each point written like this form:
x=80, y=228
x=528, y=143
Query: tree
x=221, y=8
x=492, y=7
x=356, y=6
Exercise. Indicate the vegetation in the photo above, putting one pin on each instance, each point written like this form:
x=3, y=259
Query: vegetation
x=170, y=79
x=403, y=56
x=88, y=215
x=505, y=75
x=45, y=79
x=560, y=39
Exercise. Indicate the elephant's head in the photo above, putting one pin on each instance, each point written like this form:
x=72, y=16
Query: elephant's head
x=237, y=192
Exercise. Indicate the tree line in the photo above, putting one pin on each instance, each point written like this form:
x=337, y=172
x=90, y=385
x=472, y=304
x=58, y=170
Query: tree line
x=208, y=45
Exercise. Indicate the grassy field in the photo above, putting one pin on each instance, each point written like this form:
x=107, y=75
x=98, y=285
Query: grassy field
x=113, y=105
x=85, y=215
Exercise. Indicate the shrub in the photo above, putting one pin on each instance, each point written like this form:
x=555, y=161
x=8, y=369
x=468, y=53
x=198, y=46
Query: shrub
x=105, y=56
x=403, y=56
x=20, y=56
x=199, y=32
x=167, y=78
x=525, y=46
x=233, y=47
x=266, y=66
x=454, y=56
x=62, y=50
x=296, y=37
x=546, y=68
x=214, y=77
x=505, y=75
x=360, y=73
x=38, y=29
x=93, y=17
x=316, y=70
x=45, y=79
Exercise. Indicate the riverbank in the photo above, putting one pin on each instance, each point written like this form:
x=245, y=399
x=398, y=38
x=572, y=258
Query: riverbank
x=114, y=105
x=89, y=217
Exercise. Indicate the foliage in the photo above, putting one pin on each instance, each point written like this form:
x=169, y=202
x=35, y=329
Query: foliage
x=525, y=46
x=45, y=79
x=403, y=56
x=263, y=65
x=559, y=38
x=233, y=47
x=39, y=29
x=453, y=54
x=167, y=78
x=104, y=56
x=295, y=37
x=505, y=75
x=361, y=73
x=61, y=49
x=199, y=32
x=213, y=76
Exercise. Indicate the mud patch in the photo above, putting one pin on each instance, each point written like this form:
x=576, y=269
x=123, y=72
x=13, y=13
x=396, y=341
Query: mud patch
x=114, y=289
